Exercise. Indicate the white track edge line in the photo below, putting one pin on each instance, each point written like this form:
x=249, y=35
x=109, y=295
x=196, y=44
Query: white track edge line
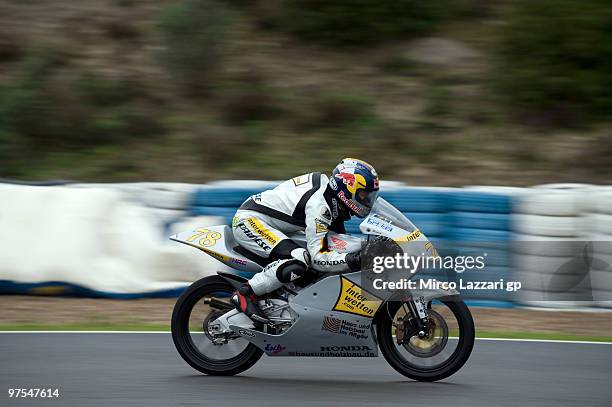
x=167, y=332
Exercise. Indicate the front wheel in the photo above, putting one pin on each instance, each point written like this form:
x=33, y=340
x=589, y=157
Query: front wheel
x=448, y=345
x=193, y=336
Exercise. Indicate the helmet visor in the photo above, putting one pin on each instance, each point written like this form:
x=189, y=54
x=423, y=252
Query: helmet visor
x=366, y=198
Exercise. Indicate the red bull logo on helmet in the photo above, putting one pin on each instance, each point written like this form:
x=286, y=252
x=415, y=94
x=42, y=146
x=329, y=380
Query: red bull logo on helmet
x=352, y=181
x=347, y=178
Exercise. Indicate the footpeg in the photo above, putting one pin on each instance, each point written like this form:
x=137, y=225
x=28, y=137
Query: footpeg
x=246, y=302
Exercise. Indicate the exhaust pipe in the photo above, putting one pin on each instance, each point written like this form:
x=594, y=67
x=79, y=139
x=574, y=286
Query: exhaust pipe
x=218, y=304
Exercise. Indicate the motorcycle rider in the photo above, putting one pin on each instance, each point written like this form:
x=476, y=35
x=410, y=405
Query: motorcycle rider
x=312, y=203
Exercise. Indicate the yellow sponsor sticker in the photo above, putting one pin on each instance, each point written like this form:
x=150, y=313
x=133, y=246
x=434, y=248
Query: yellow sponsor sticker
x=301, y=180
x=353, y=301
x=411, y=237
x=431, y=250
x=263, y=231
x=216, y=255
x=321, y=227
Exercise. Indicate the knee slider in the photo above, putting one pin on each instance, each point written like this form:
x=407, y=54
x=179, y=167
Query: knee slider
x=290, y=270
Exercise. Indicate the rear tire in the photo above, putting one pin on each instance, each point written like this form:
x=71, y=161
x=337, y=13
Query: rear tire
x=455, y=361
x=182, y=337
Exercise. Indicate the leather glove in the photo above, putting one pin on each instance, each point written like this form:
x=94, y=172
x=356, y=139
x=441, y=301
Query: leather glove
x=364, y=258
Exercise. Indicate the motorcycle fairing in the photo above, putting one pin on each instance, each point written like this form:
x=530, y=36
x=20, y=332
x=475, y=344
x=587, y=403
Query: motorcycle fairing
x=217, y=241
x=322, y=328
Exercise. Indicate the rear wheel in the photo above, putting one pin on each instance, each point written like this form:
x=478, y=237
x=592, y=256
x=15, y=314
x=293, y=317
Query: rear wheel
x=445, y=349
x=193, y=336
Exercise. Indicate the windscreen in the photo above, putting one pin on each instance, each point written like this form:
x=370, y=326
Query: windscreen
x=383, y=210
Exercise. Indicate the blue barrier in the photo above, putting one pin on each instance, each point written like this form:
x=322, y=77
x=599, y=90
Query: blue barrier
x=431, y=224
x=418, y=199
x=477, y=201
x=226, y=213
x=222, y=196
x=479, y=237
x=352, y=226
x=478, y=220
x=75, y=290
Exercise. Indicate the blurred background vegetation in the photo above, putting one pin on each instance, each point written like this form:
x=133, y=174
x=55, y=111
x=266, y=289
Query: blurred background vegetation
x=437, y=92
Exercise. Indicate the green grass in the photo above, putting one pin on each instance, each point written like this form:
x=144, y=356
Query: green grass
x=161, y=327
x=560, y=336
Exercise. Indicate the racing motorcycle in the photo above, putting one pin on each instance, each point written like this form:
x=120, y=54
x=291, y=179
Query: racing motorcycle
x=425, y=334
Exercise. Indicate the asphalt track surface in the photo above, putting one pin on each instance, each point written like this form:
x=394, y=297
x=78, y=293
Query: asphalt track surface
x=145, y=370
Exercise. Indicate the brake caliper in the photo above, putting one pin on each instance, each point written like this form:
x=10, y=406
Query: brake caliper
x=400, y=331
x=415, y=322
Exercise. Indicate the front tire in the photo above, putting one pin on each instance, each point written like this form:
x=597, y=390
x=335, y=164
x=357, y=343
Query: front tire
x=182, y=332
x=406, y=364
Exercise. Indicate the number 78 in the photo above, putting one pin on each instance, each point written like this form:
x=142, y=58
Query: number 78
x=208, y=237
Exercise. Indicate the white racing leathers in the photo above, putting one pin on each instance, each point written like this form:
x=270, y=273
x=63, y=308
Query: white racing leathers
x=263, y=221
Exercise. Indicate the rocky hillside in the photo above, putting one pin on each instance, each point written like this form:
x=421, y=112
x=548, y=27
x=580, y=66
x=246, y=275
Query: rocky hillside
x=199, y=90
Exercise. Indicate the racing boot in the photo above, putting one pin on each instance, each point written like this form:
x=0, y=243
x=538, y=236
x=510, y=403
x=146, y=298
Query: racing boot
x=245, y=300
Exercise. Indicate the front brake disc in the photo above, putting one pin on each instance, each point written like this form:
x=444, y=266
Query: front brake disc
x=435, y=340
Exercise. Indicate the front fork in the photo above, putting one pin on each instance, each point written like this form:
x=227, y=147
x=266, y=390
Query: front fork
x=416, y=321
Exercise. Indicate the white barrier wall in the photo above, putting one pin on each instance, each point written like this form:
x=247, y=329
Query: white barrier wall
x=111, y=239
x=167, y=201
x=93, y=238
x=598, y=221
x=563, y=245
x=547, y=223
